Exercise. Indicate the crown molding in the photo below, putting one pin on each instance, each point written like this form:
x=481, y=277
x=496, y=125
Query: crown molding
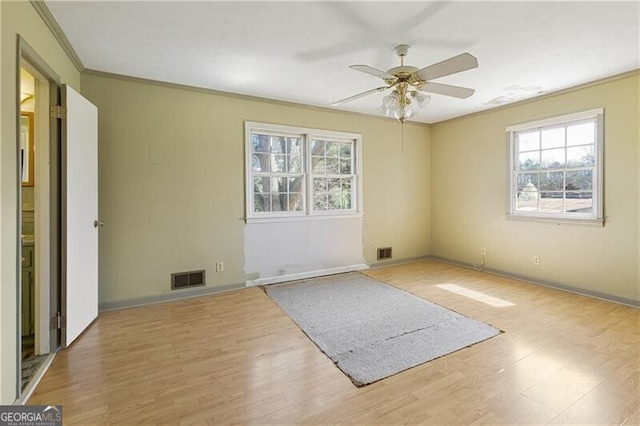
x=140, y=80
x=552, y=94
x=48, y=18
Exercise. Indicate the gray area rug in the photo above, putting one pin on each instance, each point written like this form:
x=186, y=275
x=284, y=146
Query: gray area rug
x=372, y=330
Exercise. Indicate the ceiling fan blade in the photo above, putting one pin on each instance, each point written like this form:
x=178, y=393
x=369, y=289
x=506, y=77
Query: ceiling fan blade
x=359, y=95
x=448, y=90
x=373, y=71
x=462, y=62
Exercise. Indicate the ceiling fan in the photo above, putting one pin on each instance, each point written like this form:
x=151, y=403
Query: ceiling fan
x=408, y=83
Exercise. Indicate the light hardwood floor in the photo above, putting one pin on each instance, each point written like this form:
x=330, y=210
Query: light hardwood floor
x=236, y=358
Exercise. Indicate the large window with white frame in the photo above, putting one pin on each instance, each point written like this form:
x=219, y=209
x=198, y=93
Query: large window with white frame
x=556, y=170
x=297, y=172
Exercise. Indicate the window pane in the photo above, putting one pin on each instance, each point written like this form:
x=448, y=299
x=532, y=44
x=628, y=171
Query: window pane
x=332, y=165
x=278, y=163
x=528, y=181
x=279, y=202
x=528, y=141
x=320, y=184
x=295, y=202
x=529, y=160
x=332, y=149
x=261, y=184
x=294, y=145
x=345, y=150
x=528, y=193
x=317, y=148
x=346, y=200
x=335, y=194
x=317, y=165
x=346, y=185
x=295, y=164
x=260, y=163
x=295, y=184
x=261, y=203
x=278, y=144
x=278, y=184
x=579, y=180
x=320, y=201
x=551, y=202
x=335, y=201
x=528, y=205
x=345, y=167
x=260, y=143
x=334, y=185
x=579, y=202
x=346, y=193
x=553, y=138
x=553, y=158
x=580, y=156
x=553, y=181
x=581, y=134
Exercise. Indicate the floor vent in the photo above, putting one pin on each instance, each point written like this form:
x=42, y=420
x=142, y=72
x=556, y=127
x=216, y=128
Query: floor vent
x=384, y=253
x=187, y=279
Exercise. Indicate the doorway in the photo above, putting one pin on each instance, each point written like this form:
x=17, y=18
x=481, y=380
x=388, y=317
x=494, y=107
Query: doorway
x=38, y=221
x=31, y=356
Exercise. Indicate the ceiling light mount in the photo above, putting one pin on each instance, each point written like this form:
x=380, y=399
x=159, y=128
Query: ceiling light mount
x=401, y=50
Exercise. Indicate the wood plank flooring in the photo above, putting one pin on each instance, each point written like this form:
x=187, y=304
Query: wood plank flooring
x=236, y=358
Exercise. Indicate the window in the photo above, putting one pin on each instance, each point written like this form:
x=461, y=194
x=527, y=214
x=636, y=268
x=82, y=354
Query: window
x=556, y=168
x=295, y=172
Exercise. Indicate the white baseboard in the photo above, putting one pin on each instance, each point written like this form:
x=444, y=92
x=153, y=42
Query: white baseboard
x=305, y=275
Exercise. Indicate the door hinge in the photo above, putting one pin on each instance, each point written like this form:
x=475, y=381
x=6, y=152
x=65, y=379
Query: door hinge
x=58, y=111
x=58, y=321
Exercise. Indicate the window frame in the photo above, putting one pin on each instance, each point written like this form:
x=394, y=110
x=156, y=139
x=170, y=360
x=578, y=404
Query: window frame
x=596, y=217
x=307, y=135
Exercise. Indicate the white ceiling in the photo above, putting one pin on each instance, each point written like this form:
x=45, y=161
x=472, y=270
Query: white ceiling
x=300, y=51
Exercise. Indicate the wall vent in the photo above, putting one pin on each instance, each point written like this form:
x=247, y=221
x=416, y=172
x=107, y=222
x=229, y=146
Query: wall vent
x=384, y=253
x=187, y=279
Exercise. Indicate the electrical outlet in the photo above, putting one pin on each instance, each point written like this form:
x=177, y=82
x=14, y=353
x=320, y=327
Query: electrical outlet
x=536, y=260
x=219, y=266
x=483, y=251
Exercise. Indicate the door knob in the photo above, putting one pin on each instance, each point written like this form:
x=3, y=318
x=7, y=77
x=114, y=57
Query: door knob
x=97, y=223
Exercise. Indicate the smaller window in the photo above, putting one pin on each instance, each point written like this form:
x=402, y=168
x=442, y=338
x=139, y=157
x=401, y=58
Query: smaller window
x=556, y=168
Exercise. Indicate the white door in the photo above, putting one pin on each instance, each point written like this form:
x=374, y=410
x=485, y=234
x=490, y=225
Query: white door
x=80, y=211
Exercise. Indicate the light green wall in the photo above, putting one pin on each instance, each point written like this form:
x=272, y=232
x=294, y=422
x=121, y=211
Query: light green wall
x=172, y=181
x=171, y=184
x=469, y=196
x=17, y=17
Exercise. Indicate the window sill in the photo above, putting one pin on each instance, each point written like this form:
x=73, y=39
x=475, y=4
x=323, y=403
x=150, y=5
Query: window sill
x=256, y=220
x=556, y=220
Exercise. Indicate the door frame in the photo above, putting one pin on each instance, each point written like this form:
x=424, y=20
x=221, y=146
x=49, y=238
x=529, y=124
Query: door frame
x=27, y=55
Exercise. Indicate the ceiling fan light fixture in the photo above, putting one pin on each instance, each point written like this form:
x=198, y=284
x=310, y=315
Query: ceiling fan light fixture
x=404, y=113
x=403, y=105
x=421, y=99
x=390, y=103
